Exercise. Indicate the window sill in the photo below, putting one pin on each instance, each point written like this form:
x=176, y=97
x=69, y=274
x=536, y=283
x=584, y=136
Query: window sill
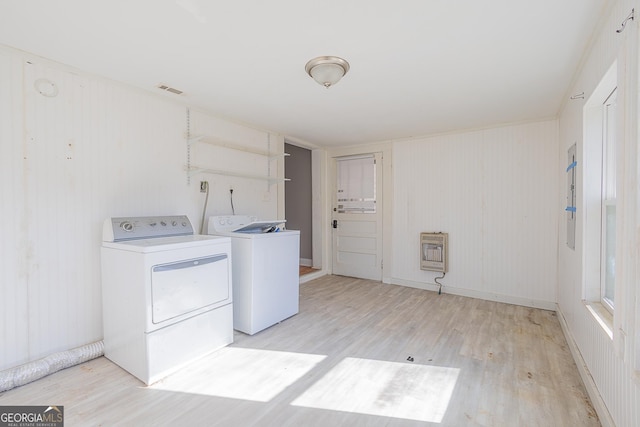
x=602, y=316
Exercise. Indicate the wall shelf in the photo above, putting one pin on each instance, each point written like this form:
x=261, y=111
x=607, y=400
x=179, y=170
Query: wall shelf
x=230, y=145
x=194, y=170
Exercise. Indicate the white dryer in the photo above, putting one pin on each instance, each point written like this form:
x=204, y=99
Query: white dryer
x=166, y=294
x=265, y=270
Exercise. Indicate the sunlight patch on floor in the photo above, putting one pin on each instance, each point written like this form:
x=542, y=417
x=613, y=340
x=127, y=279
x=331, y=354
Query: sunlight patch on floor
x=241, y=373
x=389, y=389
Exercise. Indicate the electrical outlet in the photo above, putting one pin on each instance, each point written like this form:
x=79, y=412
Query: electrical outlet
x=204, y=185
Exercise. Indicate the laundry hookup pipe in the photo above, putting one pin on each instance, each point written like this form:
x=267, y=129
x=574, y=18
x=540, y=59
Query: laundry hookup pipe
x=24, y=374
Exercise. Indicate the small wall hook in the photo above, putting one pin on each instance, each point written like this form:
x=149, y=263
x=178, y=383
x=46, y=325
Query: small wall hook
x=578, y=96
x=624, y=23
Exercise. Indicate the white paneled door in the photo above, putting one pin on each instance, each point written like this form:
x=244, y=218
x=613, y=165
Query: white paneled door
x=357, y=216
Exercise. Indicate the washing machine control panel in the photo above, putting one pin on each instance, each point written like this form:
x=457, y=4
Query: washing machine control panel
x=229, y=222
x=145, y=227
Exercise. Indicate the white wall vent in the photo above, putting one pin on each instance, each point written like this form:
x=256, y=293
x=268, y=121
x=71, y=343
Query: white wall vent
x=169, y=89
x=434, y=251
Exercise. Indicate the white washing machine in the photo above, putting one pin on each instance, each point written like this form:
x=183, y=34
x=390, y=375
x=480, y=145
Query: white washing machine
x=166, y=294
x=265, y=270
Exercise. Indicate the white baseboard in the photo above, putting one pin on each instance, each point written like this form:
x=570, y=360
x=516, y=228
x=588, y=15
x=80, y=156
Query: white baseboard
x=489, y=296
x=592, y=390
x=310, y=276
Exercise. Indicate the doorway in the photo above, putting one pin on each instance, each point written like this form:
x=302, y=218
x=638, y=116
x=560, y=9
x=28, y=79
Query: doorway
x=298, y=201
x=357, y=216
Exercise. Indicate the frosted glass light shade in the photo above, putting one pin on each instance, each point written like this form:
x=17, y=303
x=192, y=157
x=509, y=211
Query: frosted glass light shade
x=327, y=70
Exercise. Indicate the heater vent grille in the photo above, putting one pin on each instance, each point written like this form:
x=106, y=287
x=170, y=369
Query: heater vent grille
x=434, y=251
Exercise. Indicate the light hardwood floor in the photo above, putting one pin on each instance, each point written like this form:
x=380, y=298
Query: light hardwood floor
x=359, y=353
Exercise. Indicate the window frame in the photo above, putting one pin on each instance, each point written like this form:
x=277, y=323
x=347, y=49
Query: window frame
x=608, y=195
x=592, y=195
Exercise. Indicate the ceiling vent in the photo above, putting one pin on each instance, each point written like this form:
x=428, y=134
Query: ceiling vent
x=169, y=89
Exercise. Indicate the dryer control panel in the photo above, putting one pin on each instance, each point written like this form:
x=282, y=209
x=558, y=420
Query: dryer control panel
x=145, y=227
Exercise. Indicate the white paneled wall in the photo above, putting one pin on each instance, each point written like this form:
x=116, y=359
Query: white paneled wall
x=494, y=191
x=94, y=150
x=250, y=197
x=611, y=374
x=14, y=308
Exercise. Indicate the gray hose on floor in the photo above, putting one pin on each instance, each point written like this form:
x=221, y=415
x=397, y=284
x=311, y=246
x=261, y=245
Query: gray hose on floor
x=24, y=374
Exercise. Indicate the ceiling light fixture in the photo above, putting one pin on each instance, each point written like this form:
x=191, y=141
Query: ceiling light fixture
x=327, y=70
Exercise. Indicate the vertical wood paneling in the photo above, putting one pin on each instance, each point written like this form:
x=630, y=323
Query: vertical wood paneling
x=494, y=192
x=97, y=149
x=250, y=196
x=614, y=377
x=14, y=301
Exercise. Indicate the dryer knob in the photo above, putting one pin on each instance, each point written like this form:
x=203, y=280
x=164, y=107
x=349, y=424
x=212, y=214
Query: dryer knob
x=126, y=226
x=174, y=223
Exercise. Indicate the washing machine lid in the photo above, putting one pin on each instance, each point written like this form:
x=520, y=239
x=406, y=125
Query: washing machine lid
x=260, y=226
x=242, y=224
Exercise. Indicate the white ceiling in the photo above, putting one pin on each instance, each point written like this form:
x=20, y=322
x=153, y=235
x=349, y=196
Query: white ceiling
x=418, y=67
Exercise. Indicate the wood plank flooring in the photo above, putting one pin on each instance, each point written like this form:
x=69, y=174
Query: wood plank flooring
x=359, y=353
x=306, y=270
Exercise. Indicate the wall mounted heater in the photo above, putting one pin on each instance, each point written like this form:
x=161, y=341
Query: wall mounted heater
x=433, y=251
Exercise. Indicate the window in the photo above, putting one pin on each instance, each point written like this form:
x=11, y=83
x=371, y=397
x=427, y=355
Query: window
x=608, y=237
x=356, y=184
x=599, y=179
